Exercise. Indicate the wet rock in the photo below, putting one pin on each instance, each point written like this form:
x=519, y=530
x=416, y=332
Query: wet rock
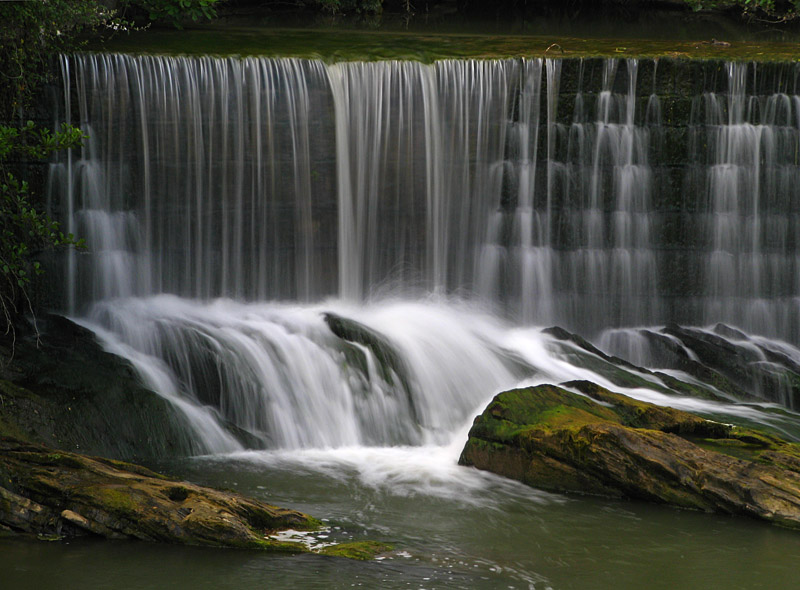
x=390, y=365
x=58, y=387
x=389, y=362
x=47, y=492
x=622, y=373
x=582, y=438
x=737, y=364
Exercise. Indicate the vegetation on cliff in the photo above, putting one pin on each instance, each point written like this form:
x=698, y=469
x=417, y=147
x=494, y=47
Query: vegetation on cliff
x=25, y=228
x=32, y=34
x=774, y=10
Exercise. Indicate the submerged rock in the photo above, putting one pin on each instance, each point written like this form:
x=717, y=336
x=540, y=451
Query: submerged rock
x=57, y=493
x=360, y=550
x=746, y=362
x=582, y=438
x=722, y=363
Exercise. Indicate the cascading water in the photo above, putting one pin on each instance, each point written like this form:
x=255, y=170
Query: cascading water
x=289, y=179
x=542, y=196
x=329, y=269
x=279, y=373
x=751, y=182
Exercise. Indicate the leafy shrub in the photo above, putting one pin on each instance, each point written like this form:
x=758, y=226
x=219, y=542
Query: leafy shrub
x=177, y=11
x=779, y=10
x=31, y=35
x=25, y=231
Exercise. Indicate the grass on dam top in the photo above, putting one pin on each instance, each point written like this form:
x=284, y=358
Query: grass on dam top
x=334, y=45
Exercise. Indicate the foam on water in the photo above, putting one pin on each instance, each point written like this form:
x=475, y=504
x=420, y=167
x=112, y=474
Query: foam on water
x=278, y=373
x=400, y=471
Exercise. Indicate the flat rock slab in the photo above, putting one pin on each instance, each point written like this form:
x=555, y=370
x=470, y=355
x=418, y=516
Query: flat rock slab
x=58, y=493
x=582, y=438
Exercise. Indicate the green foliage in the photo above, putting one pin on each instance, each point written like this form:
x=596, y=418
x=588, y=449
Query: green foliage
x=31, y=33
x=175, y=12
x=348, y=6
x=25, y=230
x=31, y=142
x=779, y=10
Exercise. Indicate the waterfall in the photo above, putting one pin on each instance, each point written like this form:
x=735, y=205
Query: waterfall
x=301, y=254
x=203, y=177
x=279, y=374
x=292, y=179
x=751, y=182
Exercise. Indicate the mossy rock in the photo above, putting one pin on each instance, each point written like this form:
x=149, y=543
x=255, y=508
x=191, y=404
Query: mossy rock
x=360, y=550
x=47, y=492
x=580, y=437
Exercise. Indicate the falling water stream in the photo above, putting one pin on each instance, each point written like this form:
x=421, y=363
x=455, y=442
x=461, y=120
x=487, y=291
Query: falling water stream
x=243, y=214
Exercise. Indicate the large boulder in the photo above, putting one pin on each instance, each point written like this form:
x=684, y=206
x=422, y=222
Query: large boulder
x=58, y=493
x=58, y=387
x=580, y=437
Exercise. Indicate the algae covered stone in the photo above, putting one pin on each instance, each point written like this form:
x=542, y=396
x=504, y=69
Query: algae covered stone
x=582, y=438
x=359, y=550
x=48, y=492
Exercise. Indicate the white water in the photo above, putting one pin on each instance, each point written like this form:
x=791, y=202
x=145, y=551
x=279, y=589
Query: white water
x=465, y=188
x=263, y=179
x=314, y=401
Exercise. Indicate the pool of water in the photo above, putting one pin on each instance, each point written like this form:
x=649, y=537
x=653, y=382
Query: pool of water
x=451, y=527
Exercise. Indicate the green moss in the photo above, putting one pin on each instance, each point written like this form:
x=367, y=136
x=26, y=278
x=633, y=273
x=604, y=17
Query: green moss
x=70, y=461
x=547, y=406
x=757, y=439
x=311, y=524
x=361, y=550
x=566, y=447
x=116, y=499
x=55, y=459
x=349, y=45
x=485, y=445
x=11, y=430
x=520, y=417
x=727, y=446
x=132, y=467
x=177, y=493
x=280, y=546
